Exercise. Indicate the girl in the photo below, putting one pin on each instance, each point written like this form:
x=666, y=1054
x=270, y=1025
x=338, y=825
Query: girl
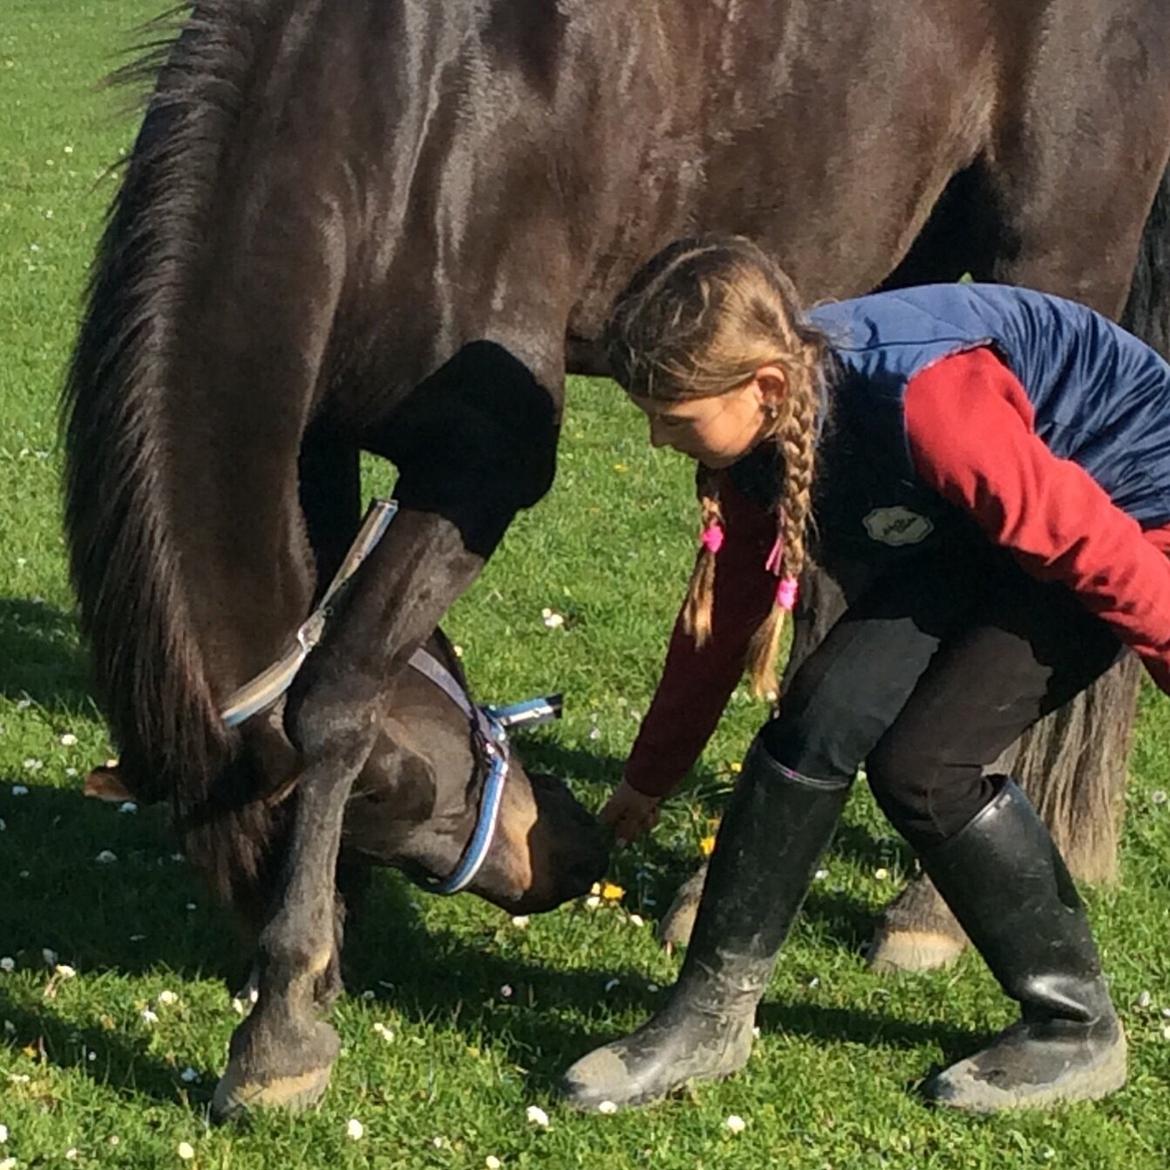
x=987, y=471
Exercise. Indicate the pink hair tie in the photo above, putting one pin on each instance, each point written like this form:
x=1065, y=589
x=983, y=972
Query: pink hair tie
x=712, y=538
x=786, y=589
x=775, y=557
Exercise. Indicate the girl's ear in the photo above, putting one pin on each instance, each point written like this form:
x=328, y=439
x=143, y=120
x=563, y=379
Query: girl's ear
x=772, y=386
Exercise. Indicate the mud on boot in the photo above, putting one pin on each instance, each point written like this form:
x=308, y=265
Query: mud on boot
x=1036, y=1065
x=1008, y=886
x=775, y=829
x=694, y=1038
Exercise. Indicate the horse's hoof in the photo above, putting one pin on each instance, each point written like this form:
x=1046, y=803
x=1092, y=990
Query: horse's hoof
x=895, y=952
x=678, y=922
x=291, y=1074
x=237, y=1094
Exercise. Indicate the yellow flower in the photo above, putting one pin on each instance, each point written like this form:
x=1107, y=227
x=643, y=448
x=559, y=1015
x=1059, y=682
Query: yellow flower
x=611, y=892
x=736, y=768
x=707, y=846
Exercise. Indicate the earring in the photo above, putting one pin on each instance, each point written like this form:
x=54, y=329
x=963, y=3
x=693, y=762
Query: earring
x=771, y=411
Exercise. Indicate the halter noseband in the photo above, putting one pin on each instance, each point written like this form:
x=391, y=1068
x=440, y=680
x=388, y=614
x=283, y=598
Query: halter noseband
x=488, y=724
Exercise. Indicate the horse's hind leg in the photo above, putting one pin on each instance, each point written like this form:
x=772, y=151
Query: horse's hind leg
x=487, y=432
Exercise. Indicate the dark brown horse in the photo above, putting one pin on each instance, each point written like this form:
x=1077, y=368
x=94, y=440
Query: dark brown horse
x=393, y=225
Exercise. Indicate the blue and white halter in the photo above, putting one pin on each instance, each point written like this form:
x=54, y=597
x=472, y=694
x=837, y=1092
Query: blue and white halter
x=488, y=723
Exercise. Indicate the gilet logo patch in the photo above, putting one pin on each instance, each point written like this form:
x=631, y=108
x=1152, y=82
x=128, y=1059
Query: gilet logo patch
x=897, y=525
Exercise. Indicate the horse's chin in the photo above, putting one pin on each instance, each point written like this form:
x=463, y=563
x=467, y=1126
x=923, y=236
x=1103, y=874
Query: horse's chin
x=562, y=885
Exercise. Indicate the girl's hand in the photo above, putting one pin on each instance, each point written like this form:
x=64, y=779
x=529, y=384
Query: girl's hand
x=630, y=813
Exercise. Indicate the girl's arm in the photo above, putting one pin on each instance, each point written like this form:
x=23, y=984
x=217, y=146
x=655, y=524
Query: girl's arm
x=696, y=683
x=970, y=430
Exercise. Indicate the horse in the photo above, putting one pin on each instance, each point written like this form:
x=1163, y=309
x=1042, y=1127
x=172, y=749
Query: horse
x=394, y=226
x=413, y=808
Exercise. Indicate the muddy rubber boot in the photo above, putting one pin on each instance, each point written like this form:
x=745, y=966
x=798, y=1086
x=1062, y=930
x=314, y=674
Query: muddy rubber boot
x=1007, y=884
x=775, y=829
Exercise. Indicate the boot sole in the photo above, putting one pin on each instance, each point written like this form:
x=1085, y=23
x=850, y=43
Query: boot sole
x=593, y=1103
x=958, y=1088
x=607, y=1081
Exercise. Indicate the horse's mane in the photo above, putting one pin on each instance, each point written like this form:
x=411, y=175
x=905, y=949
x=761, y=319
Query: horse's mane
x=124, y=559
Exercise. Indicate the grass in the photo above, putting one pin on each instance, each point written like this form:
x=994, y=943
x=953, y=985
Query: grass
x=81, y=1068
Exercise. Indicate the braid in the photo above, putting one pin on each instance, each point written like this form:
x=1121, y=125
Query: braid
x=700, y=598
x=797, y=441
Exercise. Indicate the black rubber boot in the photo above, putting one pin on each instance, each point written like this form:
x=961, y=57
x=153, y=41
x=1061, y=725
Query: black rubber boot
x=1007, y=884
x=775, y=829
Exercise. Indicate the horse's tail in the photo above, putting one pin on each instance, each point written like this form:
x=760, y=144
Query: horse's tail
x=149, y=673
x=1147, y=311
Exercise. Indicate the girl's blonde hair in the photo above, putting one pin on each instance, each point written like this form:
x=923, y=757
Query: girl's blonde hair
x=700, y=319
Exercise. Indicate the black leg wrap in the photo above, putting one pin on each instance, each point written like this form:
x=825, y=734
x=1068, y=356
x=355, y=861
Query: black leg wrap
x=1007, y=884
x=776, y=827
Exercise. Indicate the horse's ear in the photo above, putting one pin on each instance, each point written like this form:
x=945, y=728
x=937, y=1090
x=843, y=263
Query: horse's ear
x=106, y=783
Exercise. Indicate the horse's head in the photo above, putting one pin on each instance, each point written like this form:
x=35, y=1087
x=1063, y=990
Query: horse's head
x=417, y=804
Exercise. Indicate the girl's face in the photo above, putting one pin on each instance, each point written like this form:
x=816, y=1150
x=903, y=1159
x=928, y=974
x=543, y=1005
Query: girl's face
x=718, y=429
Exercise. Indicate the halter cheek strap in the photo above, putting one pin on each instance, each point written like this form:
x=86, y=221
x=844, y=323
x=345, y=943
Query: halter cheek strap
x=489, y=724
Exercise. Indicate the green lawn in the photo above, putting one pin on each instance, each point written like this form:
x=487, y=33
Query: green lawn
x=99, y=1070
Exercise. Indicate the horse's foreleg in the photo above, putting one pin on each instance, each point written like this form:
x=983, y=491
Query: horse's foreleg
x=283, y=1053
x=455, y=509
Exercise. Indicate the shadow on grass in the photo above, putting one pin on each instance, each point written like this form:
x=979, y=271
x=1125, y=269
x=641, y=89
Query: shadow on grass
x=132, y=916
x=129, y=914
x=39, y=656
x=120, y=1063
x=655, y=870
x=544, y=1024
